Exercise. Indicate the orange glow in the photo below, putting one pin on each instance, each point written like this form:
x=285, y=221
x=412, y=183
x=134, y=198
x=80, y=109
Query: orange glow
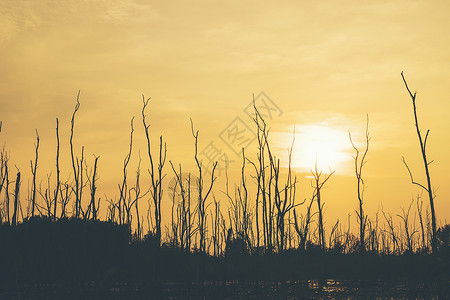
x=328, y=146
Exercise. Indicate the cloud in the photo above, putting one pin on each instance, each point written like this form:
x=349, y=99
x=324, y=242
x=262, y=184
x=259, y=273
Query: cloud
x=19, y=16
x=125, y=11
x=16, y=16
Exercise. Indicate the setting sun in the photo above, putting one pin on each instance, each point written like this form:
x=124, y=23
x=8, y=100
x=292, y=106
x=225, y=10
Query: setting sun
x=326, y=145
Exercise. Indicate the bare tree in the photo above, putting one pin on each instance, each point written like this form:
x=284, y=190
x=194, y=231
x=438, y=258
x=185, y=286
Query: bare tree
x=302, y=227
x=335, y=236
x=318, y=185
x=175, y=216
x=45, y=209
x=264, y=181
x=419, y=204
x=16, y=200
x=239, y=211
x=55, y=199
x=65, y=194
x=409, y=235
x=79, y=209
x=260, y=193
x=76, y=171
x=428, y=188
x=92, y=206
x=391, y=232
x=284, y=199
x=123, y=188
x=156, y=176
x=359, y=164
x=137, y=192
x=33, y=171
x=7, y=197
x=217, y=237
x=185, y=221
x=202, y=197
x=373, y=242
x=135, y=199
x=113, y=206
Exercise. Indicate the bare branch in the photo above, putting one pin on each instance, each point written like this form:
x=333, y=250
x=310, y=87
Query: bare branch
x=411, y=176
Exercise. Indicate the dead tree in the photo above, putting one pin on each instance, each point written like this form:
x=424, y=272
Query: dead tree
x=81, y=183
x=391, y=232
x=76, y=171
x=55, y=199
x=373, y=243
x=335, y=236
x=156, y=176
x=7, y=200
x=239, y=211
x=216, y=217
x=260, y=180
x=269, y=189
x=134, y=201
x=33, y=171
x=16, y=200
x=184, y=208
x=302, y=229
x=113, y=206
x=318, y=185
x=201, y=204
x=242, y=192
x=92, y=206
x=419, y=204
x=359, y=164
x=123, y=188
x=77, y=166
x=428, y=188
x=408, y=233
x=284, y=199
x=188, y=216
x=46, y=209
x=264, y=180
x=175, y=216
x=65, y=193
x=137, y=189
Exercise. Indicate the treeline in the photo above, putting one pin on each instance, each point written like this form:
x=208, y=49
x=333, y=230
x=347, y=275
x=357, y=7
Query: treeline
x=73, y=252
x=260, y=215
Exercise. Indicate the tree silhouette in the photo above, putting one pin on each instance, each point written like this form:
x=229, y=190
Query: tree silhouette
x=359, y=164
x=423, y=146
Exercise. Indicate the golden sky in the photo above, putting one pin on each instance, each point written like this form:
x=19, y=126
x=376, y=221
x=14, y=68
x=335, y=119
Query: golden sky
x=325, y=64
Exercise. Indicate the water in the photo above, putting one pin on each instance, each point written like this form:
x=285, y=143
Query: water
x=302, y=289
x=310, y=289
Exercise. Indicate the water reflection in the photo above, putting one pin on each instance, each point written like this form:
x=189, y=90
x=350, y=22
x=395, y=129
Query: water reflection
x=310, y=289
x=301, y=289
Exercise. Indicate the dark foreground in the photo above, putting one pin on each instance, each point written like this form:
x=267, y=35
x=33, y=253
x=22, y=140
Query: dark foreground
x=76, y=259
x=303, y=289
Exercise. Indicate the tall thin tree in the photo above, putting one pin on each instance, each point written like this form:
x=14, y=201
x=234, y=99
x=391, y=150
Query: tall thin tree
x=423, y=147
x=202, y=197
x=156, y=174
x=33, y=171
x=55, y=199
x=16, y=200
x=360, y=161
x=76, y=171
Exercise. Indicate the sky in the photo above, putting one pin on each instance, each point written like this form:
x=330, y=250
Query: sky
x=322, y=66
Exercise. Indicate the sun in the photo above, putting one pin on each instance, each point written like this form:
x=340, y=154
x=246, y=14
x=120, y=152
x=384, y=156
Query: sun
x=327, y=146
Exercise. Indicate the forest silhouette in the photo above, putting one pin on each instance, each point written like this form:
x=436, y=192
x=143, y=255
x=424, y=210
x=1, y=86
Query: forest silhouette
x=65, y=233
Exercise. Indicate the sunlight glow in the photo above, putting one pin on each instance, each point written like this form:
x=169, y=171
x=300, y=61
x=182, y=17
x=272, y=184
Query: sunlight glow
x=329, y=146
